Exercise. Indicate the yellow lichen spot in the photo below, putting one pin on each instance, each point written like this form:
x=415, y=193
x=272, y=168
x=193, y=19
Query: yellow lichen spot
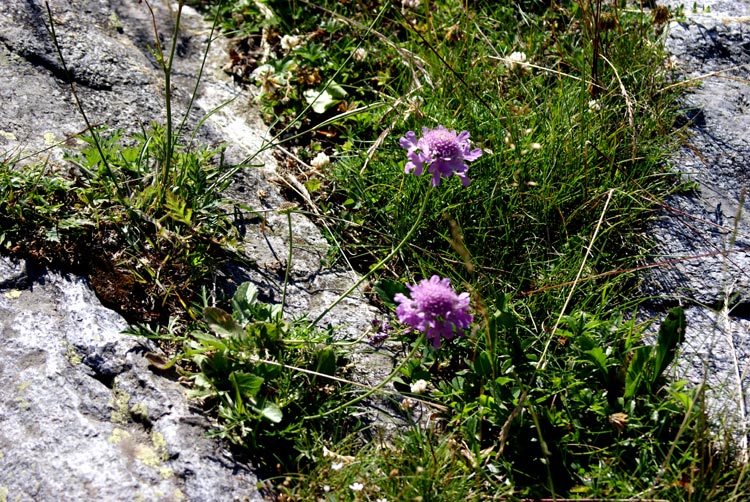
x=12, y=294
x=118, y=401
x=139, y=411
x=147, y=456
x=118, y=435
x=114, y=22
x=21, y=387
x=178, y=495
x=166, y=472
x=8, y=135
x=72, y=355
x=50, y=138
x=3, y=494
x=160, y=444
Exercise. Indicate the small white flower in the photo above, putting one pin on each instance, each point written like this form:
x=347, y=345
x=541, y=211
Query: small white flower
x=535, y=146
x=265, y=76
x=410, y=4
x=515, y=58
x=326, y=488
x=320, y=161
x=290, y=42
x=419, y=387
x=381, y=500
x=594, y=105
x=359, y=55
x=356, y=487
x=337, y=466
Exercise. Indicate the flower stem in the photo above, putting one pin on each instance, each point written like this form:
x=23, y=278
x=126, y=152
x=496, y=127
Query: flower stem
x=379, y=264
x=288, y=262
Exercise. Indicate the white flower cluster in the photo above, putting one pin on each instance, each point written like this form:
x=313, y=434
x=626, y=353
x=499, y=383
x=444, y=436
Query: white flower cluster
x=516, y=58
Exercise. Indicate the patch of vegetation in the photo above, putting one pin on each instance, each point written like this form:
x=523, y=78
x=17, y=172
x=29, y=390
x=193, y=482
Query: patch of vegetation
x=147, y=251
x=551, y=392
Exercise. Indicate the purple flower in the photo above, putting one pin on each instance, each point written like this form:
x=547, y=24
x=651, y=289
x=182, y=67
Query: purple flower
x=444, y=152
x=434, y=309
x=384, y=330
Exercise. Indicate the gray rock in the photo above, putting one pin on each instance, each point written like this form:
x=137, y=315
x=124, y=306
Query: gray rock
x=81, y=415
x=703, y=237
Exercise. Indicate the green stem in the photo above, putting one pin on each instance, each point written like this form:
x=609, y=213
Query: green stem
x=379, y=264
x=375, y=389
x=167, y=67
x=288, y=261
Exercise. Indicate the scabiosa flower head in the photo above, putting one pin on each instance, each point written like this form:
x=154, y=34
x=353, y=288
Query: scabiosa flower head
x=434, y=309
x=442, y=150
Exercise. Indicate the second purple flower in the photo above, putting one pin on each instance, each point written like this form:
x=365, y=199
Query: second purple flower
x=434, y=309
x=443, y=152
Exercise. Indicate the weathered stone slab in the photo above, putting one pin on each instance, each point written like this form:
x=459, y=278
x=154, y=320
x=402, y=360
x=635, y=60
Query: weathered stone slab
x=82, y=417
x=703, y=237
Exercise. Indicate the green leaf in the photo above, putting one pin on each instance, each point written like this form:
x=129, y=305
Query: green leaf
x=671, y=335
x=326, y=361
x=246, y=384
x=598, y=357
x=243, y=302
x=272, y=412
x=386, y=289
x=177, y=208
x=636, y=371
x=324, y=99
x=483, y=364
x=221, y=323
x=313, y=185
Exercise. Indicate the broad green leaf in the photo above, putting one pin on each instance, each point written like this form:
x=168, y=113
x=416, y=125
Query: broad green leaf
x=208, y=341
x=598, y=357
x=671, y=334
x=313, y=185
x=247, y=384
x=326, y=361
x=221, y=323
x=636, y=371
x=243, y=302
x=272, y=412
x=386, y=289
x=483, y=364
x=326, y=98
x=177, y=208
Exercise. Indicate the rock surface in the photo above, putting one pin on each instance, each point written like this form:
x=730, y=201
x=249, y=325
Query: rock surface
x=704, y=236
x=81, y=415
